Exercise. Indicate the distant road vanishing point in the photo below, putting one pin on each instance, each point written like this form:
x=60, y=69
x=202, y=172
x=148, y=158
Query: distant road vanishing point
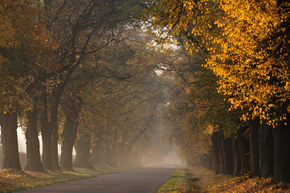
x=144, y=180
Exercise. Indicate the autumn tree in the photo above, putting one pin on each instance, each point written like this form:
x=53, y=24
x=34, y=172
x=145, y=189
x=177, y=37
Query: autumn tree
x=79, y=29
x=259, y=77
x=22, y=50
x=121, y=114
x=247, y=45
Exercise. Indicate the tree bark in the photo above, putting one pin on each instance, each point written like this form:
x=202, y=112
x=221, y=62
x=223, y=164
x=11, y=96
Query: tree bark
x=229, y=157
x=46, y=131
x=68, y=140
x=285, y=144
x=106, y=154
x=216, y=159
x=10, y=153
x=266, y=150
x=114, y=155
x=32, y=143
x=254, y=146
x=46, y=146
x=244, y=148
x=54, y=125
x=221, y=151
x=49, y=129
x=83, y=148
x=121, y=152
x=277, y=176
x=96, y=153
x=237, y=159
x=54, y=147
x=281, y=153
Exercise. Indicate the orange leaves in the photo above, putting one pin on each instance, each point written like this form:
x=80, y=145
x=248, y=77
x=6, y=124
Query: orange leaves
x=11, y=179
x=7, y=29
x=247, y=44
x=21, y=28
x=18, y=22
x=243, y=184
x=249, y=73
x=210, y=182
x=25, y=49
x=15, y=180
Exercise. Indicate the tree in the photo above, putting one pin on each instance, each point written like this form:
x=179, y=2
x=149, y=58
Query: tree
x=253, y=67
x=249, y=57
x=89, y=27
x=72, y=108
x=22, y=50
x=10, y=156
x=116, y=116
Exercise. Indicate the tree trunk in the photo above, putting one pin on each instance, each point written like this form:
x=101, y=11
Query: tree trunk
x=46, y=147
x=54, y=147
x=237, y=159
x=281, y=154
x=106, y=154
x=254, y=146
x=216, y=159
x=277, y=176
x=285, y=144
x=68, y=140
x=266, y=150
x=96, y=153
x=32, y=143
x=49, y=130
x=244, y=148
x=54, y=127
x=83, y=150
x=10, y=153
x=229, y=157
x=121, y=152
x=221, y=152
x=46, y=131
x=210, y=160
x=114, y=155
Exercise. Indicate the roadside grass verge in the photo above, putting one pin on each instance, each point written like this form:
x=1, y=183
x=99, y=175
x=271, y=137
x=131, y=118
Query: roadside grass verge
x=179, y=182
x=14, y=180
x=202, y=180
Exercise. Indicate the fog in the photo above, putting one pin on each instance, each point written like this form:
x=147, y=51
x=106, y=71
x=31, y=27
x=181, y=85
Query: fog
x=22, y=142
x=172, y=158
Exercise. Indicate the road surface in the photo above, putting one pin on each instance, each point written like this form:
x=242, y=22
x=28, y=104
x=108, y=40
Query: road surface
x=145, y=180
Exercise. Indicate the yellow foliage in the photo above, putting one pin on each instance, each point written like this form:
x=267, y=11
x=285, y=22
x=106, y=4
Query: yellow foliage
x=251, y=65
x=248, y=46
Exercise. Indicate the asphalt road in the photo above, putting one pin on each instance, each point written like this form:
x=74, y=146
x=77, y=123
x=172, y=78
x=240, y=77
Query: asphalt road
x=145, y=180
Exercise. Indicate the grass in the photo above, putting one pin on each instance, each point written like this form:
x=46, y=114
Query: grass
x=177, y=182
x=14, y=180
x=201, y=180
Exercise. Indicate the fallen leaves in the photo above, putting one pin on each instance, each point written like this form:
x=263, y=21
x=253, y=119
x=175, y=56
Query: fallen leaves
x=207, y=181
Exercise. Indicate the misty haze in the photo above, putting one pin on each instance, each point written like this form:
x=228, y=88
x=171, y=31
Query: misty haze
x=153, y=96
